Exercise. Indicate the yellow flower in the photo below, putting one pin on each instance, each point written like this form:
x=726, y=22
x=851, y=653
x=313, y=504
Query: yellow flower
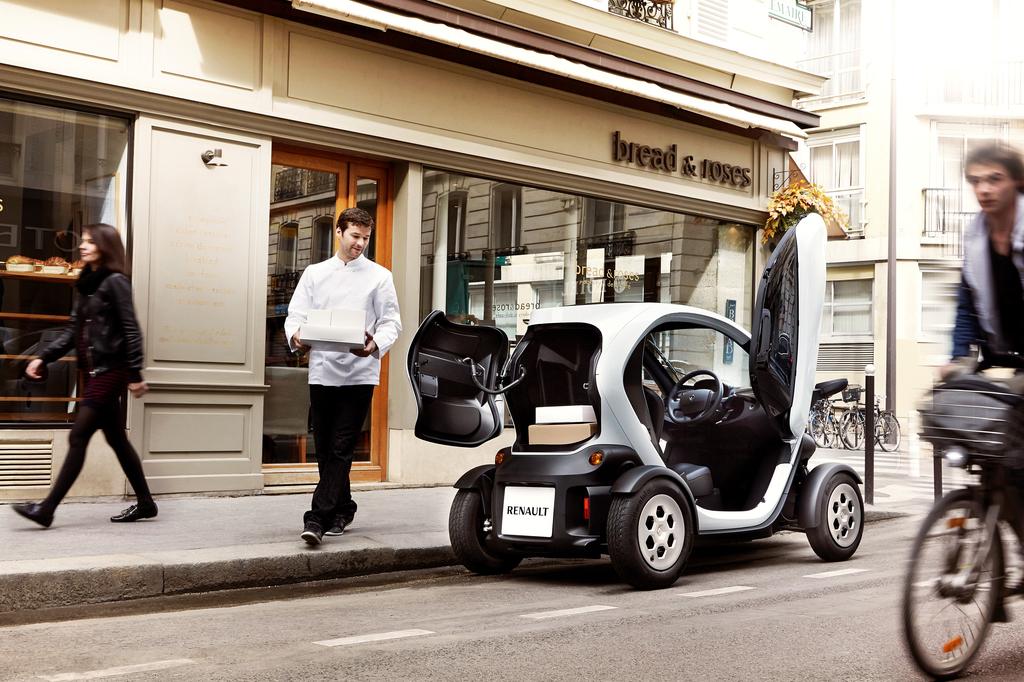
x=792, y=202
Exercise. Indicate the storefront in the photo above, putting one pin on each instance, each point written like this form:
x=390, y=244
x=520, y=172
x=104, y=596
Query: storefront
x=222, y=149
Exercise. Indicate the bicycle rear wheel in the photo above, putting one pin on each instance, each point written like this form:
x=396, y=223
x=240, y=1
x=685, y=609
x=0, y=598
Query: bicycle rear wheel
x=948, y=598
x=851, y=429
x=887, y=432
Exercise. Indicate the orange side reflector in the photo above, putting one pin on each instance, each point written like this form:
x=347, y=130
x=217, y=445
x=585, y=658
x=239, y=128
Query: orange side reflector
x=958, y=522
x=499, y=458
x=586, y=508
x=952, y=644
x=596, y=457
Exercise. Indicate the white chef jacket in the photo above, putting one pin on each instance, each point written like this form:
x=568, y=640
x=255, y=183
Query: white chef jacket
x=333, y=284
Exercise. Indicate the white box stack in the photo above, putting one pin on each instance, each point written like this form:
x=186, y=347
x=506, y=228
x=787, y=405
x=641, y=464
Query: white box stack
x=562, y=425
x=340, y=329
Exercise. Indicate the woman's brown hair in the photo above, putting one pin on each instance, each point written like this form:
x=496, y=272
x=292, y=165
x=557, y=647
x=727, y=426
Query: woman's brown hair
x=108, y=241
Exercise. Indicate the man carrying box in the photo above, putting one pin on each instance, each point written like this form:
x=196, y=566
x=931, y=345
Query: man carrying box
x=341, y=381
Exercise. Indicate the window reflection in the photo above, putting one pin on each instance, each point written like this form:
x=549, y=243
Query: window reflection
x=493, y=252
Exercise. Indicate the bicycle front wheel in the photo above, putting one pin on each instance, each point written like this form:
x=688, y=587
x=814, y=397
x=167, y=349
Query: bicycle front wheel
x=851, y=429
x=887, y=432
x=951, y=591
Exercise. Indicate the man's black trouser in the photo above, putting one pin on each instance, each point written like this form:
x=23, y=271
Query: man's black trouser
x=338, y=415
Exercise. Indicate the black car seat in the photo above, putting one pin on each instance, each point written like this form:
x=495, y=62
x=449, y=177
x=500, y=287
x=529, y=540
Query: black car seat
x=656, y=409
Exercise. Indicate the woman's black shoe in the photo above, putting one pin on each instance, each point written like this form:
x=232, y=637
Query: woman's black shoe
x=34, y=512
x=135, y=512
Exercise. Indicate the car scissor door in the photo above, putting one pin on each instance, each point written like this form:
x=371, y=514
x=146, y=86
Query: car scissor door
x=787, y=317
x=452, y=366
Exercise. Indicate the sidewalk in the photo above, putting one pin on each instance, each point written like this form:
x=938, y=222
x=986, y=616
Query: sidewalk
x=201, y=544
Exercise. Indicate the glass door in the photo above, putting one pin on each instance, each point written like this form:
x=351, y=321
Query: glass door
x=308, y=191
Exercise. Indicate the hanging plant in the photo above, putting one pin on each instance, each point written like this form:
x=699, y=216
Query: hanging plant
x=792, y=202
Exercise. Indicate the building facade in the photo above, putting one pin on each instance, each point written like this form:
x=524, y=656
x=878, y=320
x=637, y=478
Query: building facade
x=515, y=155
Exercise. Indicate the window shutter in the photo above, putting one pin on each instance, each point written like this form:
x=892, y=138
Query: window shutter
x=713, y=20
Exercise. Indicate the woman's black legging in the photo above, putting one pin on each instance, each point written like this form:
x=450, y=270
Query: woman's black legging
x=91, y=419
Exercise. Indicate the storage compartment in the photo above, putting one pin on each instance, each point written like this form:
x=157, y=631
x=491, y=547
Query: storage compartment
x=559, y=361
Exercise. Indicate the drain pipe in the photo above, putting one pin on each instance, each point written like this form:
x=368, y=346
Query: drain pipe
x=890, y=322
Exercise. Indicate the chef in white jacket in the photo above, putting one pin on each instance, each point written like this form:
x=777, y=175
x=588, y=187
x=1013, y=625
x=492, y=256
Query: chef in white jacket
x=341, y=383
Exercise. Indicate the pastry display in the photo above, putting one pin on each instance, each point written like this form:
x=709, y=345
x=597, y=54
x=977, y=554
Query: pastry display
x=21, y=264
x=55, y=266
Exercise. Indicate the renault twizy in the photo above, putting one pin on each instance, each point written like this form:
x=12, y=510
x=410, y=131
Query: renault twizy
x=641, y=427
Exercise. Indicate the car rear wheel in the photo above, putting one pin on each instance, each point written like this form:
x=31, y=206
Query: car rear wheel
x=650, y=534
x=468, y=528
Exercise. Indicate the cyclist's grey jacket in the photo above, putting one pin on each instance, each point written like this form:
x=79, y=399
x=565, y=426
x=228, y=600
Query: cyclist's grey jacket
x=977, y=317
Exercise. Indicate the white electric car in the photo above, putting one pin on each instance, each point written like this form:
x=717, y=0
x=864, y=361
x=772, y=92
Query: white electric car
x=641, y=427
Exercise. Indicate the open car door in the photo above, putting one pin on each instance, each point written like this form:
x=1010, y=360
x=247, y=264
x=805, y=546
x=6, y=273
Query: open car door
x=787, y=319
x=450, y=364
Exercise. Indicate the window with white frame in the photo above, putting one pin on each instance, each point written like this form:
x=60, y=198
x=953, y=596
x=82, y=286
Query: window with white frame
x=833, y=48
x=949, y=200
x=835, y=165
x=847, y=309
x=939, y=288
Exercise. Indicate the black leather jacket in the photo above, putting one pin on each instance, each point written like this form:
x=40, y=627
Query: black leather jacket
x=108, y=316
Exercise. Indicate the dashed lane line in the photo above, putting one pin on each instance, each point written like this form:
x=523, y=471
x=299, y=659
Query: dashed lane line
x=375, y=637
x=836, y=574
x=542, y=615
x=716, y=592
x=121, y=670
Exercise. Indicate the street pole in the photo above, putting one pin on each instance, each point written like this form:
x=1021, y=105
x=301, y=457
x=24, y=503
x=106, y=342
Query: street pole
x=869, y=434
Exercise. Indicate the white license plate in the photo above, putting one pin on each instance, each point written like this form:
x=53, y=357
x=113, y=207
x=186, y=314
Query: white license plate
x=528, y=511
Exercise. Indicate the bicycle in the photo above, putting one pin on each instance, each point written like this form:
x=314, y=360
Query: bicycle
x=954, y=587
x=886, y=429
x=823, y=424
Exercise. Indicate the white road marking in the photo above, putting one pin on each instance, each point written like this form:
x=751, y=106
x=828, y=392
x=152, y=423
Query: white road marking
x=122, y=670
x=376, y=637
x=836, y=574
x=716, y=592
x=566, y=612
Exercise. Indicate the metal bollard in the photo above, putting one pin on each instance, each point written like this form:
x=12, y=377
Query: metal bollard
x=869, y=434
x=937, y=476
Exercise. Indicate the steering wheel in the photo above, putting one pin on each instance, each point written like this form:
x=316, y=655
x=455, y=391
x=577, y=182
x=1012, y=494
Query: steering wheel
x=690, y=405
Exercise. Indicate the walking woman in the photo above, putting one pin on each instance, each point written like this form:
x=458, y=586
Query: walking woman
x=106, y=335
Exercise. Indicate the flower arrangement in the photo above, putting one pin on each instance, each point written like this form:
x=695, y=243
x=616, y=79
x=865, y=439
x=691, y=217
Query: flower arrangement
x=792, y=202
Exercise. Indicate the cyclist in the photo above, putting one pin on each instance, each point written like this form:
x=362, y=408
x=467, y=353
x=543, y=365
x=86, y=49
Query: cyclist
x=990, y=304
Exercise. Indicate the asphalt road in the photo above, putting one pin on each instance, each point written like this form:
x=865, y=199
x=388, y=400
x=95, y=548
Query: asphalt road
x=766, y=610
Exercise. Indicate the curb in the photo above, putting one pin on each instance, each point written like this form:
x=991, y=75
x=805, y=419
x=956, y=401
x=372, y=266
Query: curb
x=53, y=583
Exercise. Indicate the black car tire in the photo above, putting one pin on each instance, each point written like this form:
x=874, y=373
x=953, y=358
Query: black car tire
x=840, y=519
x=467, y=535
x=651, y=526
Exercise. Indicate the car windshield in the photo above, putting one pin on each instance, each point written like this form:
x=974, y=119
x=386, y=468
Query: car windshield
x=681, y=351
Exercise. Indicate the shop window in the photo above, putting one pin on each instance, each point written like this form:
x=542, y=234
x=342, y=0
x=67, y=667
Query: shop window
x=60, y=169
x=507, y=217
x=323, y=238
x=571, y=250
x=833, y=49
x=835, y=165
x=847, y=308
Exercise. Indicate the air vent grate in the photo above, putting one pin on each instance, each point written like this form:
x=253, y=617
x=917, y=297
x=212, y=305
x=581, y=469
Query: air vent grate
x=845, y=357
x=25, y=464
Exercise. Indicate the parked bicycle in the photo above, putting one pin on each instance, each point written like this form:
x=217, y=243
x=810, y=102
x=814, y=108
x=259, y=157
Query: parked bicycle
x=823, y=422
x=955, y=586
x=887, y=426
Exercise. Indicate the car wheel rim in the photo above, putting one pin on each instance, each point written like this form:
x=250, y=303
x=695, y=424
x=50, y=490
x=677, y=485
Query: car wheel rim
x=660, y=532
x=844, y=515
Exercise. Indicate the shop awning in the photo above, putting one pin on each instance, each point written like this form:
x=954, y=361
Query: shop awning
x=365, y=15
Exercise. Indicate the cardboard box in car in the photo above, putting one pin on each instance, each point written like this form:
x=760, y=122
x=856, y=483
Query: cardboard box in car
x=340, y=329
x=566, y=414
x=559, y=434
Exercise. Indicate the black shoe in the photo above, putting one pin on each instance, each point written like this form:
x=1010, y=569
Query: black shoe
x=135, y=513
x=33, y=511
x=340, y=524
x=312, y=534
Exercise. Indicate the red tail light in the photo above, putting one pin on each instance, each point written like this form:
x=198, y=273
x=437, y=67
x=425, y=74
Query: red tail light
x=586, y=508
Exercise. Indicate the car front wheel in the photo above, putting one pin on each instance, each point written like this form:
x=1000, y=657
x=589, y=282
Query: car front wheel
x=650, y=534
x=467, y=530
x=840, y=520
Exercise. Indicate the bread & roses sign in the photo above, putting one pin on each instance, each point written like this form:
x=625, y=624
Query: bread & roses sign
x=669, y=160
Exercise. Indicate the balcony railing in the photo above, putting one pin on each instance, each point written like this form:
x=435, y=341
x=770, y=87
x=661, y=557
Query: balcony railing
x=850, y=202
x=647, y=11
x=999, y=85
x=294, y=183
x=945, y=219
x=843, y=70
